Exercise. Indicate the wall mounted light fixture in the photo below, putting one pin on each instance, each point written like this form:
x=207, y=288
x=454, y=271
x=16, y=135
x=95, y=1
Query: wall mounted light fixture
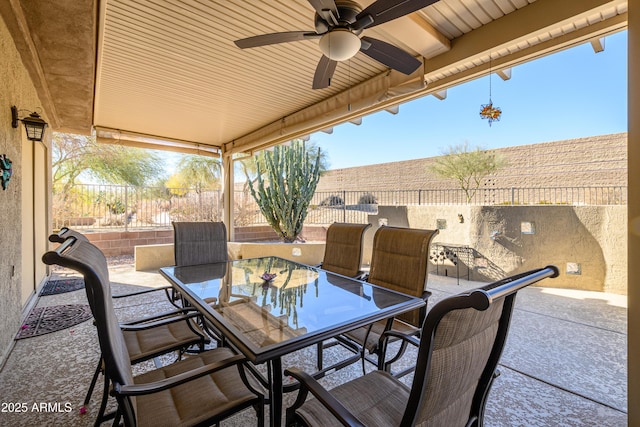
x=33, y=124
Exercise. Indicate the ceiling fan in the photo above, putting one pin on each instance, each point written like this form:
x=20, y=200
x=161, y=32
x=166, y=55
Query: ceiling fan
x=338, y=25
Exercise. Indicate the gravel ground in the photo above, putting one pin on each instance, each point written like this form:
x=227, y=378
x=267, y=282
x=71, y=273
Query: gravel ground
x=120, y=260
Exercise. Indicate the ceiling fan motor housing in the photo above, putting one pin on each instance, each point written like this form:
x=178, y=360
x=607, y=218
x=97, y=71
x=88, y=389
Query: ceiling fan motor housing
x=347, y=11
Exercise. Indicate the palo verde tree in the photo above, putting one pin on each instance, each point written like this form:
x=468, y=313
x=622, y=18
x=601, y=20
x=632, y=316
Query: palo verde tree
x=286, y=179
x=467, y=166
x=76, y=158
x=76, y=155
x=201, y=173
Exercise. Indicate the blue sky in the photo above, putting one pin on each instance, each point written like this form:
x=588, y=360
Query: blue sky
x=573, y=93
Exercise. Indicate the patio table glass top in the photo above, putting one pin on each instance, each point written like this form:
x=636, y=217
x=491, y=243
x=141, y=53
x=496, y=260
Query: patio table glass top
x=299, y=306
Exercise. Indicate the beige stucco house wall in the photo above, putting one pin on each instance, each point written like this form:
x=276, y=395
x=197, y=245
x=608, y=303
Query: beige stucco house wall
x=24, y=204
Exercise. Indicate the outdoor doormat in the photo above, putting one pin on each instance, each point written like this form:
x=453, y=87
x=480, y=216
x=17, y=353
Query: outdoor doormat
x=43, y=320
x=60, y=286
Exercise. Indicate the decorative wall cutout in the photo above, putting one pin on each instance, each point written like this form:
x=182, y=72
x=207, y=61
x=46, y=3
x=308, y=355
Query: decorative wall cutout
x=574, y=268
x=527, y=227
x=441, y=224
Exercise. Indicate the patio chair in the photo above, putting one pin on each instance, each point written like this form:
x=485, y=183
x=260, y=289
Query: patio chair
x=399, y=262
x=201, y=389
x=198, y=243
x=461, y=343
x=66, y=232
x=342, y=255
x=343, y=249
x=146, y=338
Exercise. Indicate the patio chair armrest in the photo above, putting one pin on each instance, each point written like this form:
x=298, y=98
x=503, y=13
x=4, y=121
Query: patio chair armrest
x=192, y=312
x=411, y=339
x=167, y=383
x=145, y=291
x=310, y=384
x=142, y=325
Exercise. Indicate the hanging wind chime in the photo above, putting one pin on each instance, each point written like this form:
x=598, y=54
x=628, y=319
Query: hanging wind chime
x=488, y=111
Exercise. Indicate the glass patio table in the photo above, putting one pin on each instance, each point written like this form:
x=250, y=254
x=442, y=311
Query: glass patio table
x=269, y=307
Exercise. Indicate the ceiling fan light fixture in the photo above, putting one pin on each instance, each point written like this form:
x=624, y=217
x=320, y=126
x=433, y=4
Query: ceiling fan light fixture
x=340, y=44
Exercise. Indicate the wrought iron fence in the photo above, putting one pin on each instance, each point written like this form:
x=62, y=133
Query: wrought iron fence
x=122, y=207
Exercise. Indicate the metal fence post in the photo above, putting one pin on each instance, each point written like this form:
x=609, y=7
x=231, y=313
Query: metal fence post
x=344, y=206
x=126, y=208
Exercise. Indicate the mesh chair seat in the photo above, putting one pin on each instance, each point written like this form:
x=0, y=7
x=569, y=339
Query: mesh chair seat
x=148, y=343
x=197, y=401
x=381, y=402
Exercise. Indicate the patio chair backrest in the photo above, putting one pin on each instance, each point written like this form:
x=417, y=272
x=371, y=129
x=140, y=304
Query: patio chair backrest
x=88, y=260
x=399, y=262
x=343, y=248
x=461, y=343
x=198, y=243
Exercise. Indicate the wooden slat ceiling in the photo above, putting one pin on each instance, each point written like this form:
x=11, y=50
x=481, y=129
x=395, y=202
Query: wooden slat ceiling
x=168, y=70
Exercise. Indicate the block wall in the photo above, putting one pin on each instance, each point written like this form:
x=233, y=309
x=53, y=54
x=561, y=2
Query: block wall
x=583, y=162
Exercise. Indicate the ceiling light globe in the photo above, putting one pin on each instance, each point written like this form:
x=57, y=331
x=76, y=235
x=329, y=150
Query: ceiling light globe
x=339, y=44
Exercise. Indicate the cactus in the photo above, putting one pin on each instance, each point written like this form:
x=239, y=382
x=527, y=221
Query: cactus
x=286, y=181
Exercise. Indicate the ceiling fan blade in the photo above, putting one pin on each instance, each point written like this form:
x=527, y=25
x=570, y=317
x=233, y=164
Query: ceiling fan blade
x=275, y=38
x=324, y=71
x=326, y=9
x=383, y=11
x=389, y=55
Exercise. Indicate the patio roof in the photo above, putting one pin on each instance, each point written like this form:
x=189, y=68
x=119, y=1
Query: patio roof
x=166, y=73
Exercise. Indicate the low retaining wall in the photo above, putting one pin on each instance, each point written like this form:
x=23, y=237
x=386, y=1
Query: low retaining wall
x=117, y=243
x=155, y=249
x=587, y=243
x=152, y=257
x=310, y=253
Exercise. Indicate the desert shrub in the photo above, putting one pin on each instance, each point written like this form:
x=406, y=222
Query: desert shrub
x=332, y=200
x=367, y=199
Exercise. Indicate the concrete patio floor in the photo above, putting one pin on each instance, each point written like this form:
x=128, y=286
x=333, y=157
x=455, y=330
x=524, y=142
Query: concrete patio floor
x=565, y=362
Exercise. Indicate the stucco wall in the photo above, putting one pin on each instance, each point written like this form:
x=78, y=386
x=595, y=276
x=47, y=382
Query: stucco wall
x=15, y=89
x=592, y=236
